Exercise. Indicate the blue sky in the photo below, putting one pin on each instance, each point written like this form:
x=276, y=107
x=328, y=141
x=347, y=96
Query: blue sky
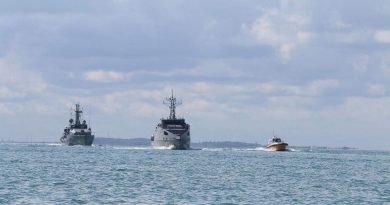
x=317, y=72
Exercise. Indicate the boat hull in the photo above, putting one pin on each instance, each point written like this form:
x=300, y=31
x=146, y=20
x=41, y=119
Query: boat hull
x=71, y=139
x=162, y=138
x=278, y=147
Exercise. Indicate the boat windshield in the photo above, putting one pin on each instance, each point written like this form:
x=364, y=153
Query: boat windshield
x=276, y=139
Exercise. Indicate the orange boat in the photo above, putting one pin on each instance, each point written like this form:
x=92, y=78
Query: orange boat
x=276, y=144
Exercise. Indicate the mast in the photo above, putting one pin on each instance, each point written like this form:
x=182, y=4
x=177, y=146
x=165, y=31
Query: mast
x=171, y=102
x=78, y=113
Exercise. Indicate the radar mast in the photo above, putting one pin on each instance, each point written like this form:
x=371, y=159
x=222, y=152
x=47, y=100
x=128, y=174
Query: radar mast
x=78, y=113
x=172, y=103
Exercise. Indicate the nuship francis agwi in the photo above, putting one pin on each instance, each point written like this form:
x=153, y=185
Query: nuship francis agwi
x=77, y=133
x=172, y=132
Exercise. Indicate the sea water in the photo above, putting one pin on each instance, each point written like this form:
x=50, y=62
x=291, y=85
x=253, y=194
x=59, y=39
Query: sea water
x=53, y=174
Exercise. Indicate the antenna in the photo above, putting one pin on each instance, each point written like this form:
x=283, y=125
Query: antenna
x=171, y=102
x=78, y=112
x=273, y=133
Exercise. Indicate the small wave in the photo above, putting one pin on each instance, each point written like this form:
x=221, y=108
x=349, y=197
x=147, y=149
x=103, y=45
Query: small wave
x=54, y=144
x=214, y=149
x=132, y=148
x=78, y=145
x=249, y=149
x=195, y=149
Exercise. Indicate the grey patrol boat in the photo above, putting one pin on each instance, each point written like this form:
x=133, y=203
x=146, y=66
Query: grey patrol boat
x=77, y=133
x=172, y=133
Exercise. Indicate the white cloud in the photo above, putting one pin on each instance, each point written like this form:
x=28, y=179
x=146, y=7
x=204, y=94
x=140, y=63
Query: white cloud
x=281, y=30
x=5, y=92
x=313, y=88
x=212, y=69
x=360, y=109
x=104, y=76
x=376, y=89
x=198, y=104
x=17, y=82
x=385, y=66
x=285, y=50
x=4, y=109
x=295, y=102
x=382, y=36
x=361, y=63
x=206, y=69
x=52, y=107
x=353, y=37
x=303, y=36
x=134, y=102
x=205, y=98
x=340, y=24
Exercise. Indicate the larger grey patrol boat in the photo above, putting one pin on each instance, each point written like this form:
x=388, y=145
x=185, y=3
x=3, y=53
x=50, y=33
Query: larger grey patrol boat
x=77, y=133
x=172, y=133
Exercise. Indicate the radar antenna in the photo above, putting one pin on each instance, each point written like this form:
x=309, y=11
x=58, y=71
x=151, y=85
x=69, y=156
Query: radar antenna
x=172, y=103
x=78, y=112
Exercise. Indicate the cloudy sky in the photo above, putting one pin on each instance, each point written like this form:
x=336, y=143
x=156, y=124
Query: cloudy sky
x=317, y=72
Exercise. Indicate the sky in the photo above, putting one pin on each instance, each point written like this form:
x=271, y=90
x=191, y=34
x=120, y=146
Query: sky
x=316, y=72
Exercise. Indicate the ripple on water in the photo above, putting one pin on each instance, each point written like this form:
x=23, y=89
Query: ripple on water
x=47, y=174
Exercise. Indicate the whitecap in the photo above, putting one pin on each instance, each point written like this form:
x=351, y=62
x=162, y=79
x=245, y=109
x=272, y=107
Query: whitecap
x=164, y=147
x=132, y=148
x=54, y=144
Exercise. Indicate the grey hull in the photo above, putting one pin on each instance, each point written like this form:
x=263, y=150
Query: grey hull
x=85, y=140
x=178, y=139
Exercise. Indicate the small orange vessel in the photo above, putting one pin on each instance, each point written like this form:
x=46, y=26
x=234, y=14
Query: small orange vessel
x=276, y=144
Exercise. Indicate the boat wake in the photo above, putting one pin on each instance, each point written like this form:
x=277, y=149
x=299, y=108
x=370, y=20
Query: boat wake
x=252, y=149
x=132, y=148
x=263, y=149
x=238, y=149
x=54, y=144
x=269, y=150
x=214, y=149
x=165, y=148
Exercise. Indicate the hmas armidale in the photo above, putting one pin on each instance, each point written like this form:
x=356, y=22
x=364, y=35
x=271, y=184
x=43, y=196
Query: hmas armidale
x=77, y=133
x=173, y=133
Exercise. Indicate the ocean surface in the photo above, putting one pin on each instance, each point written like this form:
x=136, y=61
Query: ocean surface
x=54, y=174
